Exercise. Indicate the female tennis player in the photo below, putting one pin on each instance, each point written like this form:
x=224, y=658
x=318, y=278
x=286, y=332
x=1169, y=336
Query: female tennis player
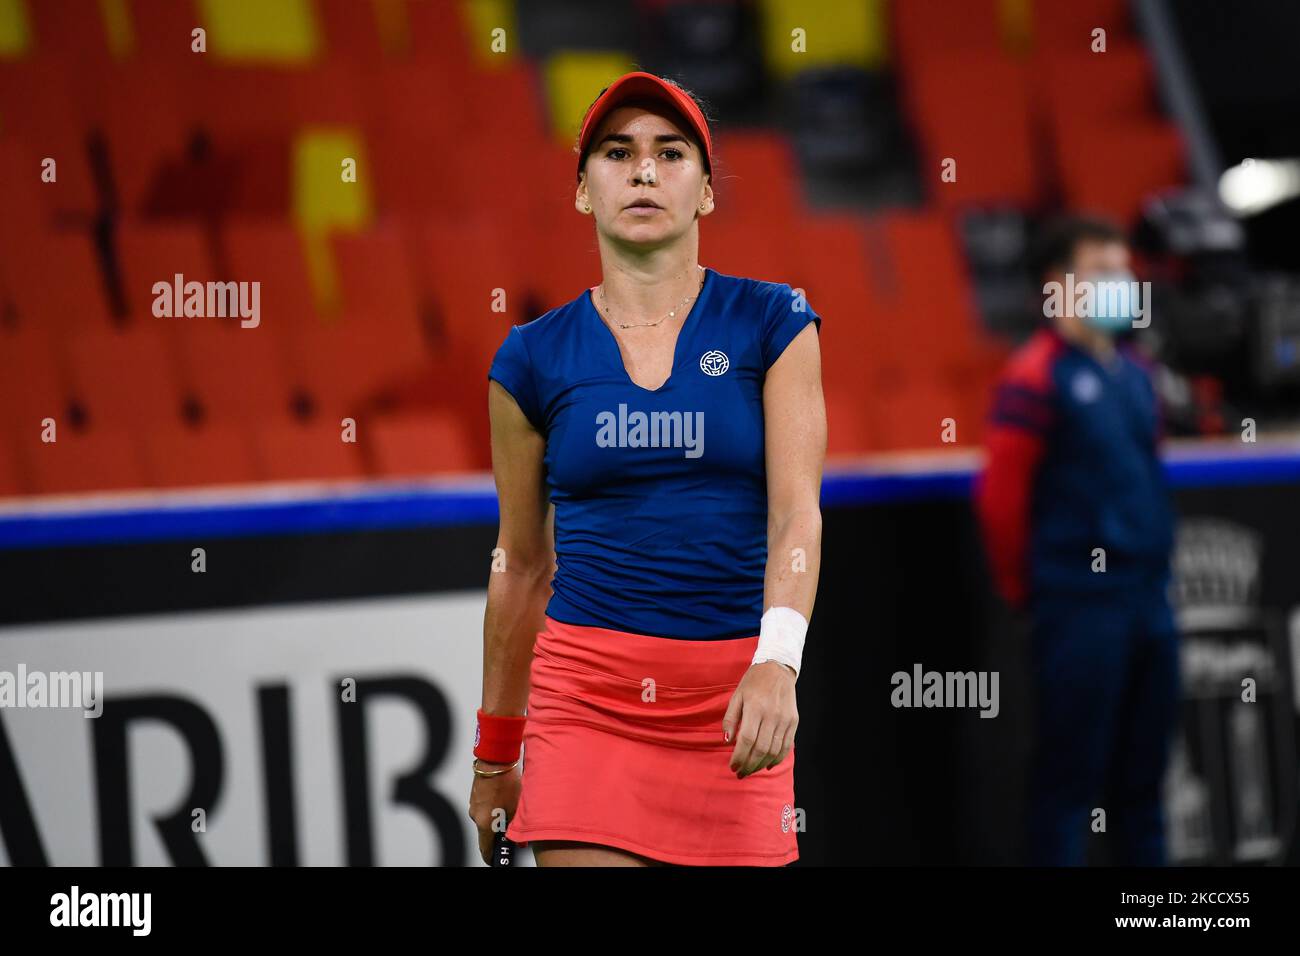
x=673, y=416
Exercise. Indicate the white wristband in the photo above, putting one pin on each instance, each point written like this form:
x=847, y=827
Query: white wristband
x=780, y=637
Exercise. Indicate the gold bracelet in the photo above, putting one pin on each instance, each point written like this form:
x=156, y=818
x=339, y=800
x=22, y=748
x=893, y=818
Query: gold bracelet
x=492, y=773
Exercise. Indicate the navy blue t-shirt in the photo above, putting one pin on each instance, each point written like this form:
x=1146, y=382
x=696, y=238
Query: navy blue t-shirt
x=660, y=496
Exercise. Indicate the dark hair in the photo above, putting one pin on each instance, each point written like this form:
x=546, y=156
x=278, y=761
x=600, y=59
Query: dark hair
x=646, y=102
x=1056, y=243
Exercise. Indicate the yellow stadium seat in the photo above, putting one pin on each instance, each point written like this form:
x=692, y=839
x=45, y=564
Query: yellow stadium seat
x=324, y=202
x=1015, y=18
x=485, y=18
x=842, y=33
x=15, y=33
x=573, y=80
x=117, y=28
x=275, y=31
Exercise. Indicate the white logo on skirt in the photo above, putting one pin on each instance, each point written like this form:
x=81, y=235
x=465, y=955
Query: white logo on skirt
x=786, y=813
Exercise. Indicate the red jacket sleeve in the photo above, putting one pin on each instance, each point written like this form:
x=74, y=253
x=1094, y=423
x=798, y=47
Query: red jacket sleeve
x=1024, y=413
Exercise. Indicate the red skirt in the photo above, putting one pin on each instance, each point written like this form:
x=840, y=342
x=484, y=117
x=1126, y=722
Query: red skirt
x=623, y=747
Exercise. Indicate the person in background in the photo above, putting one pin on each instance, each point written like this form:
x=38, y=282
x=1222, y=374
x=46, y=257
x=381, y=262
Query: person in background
x=1078, y=527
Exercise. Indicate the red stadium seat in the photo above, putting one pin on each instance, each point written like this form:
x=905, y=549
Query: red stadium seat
x=144, y=119
x=124, y=379
x=247, y=101
x=351, y=31
x=734, y=247
x=103, y=459
x=439, y=35
x=375, y=281
x=235, y=373
x=271, y=253
x=12, y=483
x=911, y=410
x=291, y=451
x=217, y=454
x=33, y=385
x=163, y=28
x=974, y=108
x=420, y=444
x=842, y=287
x=461, y=265
x=1074, y=86
x=928, y=298
x=54, y=281
x=850, y=429
x=1112, y=168
x=558, y=257
x=156, y=252
x=29, y=204
x=344, y=364
x=70, y=32
x=755, y=179
x=1068, y=26
x=926, y=28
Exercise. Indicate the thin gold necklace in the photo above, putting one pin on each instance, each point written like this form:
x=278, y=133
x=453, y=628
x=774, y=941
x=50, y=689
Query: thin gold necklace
x=646, y=325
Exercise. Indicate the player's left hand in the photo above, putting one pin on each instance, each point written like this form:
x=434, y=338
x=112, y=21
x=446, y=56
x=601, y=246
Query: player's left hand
x=761, y=718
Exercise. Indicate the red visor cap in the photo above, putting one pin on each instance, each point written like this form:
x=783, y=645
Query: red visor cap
x=637, y=85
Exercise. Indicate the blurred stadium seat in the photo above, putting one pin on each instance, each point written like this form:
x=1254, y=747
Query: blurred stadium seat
x=385, y=298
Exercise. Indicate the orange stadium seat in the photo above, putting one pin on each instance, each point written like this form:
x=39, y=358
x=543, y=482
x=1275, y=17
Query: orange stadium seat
x=291, y=451
x=420, y=444
x=102, y=459
x=216, y=454
x=124, y=379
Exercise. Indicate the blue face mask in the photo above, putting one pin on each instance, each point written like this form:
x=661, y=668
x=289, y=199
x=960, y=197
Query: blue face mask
x=1115, y=302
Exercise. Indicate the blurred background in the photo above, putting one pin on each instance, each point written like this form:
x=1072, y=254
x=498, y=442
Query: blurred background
x=235, y=518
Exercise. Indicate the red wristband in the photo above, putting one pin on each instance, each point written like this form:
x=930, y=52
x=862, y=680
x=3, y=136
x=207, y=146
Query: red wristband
x=498, y=739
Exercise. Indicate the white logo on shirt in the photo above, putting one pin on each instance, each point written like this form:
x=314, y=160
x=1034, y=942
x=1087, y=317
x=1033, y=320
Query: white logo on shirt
x=1086, y=387
x=714, y=362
